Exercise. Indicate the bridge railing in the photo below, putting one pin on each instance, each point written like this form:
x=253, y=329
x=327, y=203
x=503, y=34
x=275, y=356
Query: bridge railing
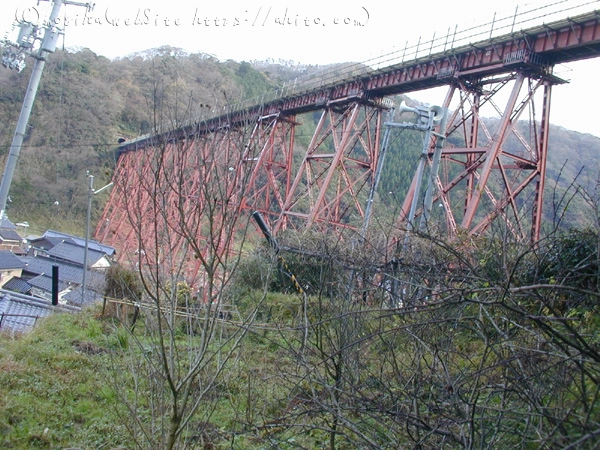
x=502, y=24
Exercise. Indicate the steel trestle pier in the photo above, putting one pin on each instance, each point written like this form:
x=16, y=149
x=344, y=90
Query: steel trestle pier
x=485, y=172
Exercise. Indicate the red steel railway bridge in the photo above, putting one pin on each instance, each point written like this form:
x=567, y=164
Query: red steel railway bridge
x=202, y=175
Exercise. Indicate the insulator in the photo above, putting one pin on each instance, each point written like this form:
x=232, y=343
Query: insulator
x=26, y=33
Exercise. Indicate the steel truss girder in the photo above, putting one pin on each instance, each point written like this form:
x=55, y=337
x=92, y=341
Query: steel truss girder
x=480, y=180
x=331, y=182
x=268, y=160
x=157, y=211
x=177, y=205
x=495, y=173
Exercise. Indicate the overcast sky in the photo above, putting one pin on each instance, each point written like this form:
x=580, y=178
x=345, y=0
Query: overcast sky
x=309, y=32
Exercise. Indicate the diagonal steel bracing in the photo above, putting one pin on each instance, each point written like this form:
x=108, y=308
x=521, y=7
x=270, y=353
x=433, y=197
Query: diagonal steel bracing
x=333, y=178
x=242, y=159
x=487, y=171
x=178, y=204
x=496, y=169
x=268, y=158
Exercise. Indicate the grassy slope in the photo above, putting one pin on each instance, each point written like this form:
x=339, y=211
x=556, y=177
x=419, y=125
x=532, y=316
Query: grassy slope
x=475, y=350
x=52, y=393
x=57, y=388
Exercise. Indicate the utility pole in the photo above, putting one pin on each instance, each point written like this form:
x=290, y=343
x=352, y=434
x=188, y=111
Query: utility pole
x=13, y=57
x=87, y=234
x=91, y=193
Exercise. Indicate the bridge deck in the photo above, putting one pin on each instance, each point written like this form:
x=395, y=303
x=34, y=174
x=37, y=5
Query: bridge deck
x=538, y=48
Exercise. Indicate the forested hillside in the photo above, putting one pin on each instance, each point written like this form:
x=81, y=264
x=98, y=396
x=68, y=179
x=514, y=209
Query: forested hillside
x=86, y=103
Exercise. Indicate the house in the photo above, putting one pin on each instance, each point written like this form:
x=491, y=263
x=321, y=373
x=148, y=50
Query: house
x=73, y=253
x=41, y=286
x=74, y=297
x=28, y=279
x=9, y=238
x=92, y=245
x=19, y=312
x=52, y=238
x=17, y=284
x=69, y=273
x=42, y=245
x=10, y=266
x=67, y=253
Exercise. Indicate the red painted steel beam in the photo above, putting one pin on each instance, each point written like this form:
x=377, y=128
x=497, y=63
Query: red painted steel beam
x=336, y=169
x=325, y=189
x=542, y=160
x=177, y=204
x=487, y=179
x=268, y=157
x=536, y=49
x=492, y=154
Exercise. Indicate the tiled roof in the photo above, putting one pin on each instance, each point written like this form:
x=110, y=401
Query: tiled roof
x=74, y=297
x=10, y=235
x=46, y=243
x=10, y=261
x=94, y=245
x=7, y=224
x=16, y=284
x=67, y=272
x=19, y=312
x=74, y=253
x=44, y=282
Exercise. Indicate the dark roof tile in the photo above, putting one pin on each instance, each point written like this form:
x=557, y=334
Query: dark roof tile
x=10, y=235
x=74, y=253
x=7, y=224
x=8, y=260
x=67, y=272
x=94, y=245
x=44, y=282
x=46, y=243
x=20, y=312
x=16, y=284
